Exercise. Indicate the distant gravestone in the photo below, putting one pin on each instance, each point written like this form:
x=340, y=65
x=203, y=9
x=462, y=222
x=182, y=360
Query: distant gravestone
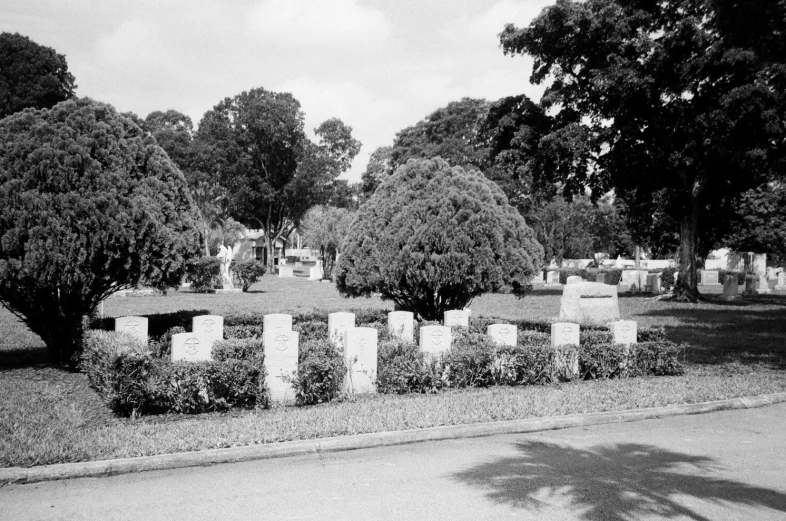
x=282, y=261
x=552, y=277
x=763, y=286
x=503, y=334
x=574, y=279
x=654, y=283
x=435, y=339
x=401, y=325
x=631, y=279
x=457, y=318
x=730, y=288
x=285, y=272
x=315, y=273
x=134, y=326
x=565, y=342
x=298, y=265
x=360, y=359
x=277, y=322
x=750, y=284
x=624, y=332
x=600, y=278
x=281, y=358
x=589, y=303
x=538, y=278
x=192, y=347
x=338, y=323
x=210, y=325
x=709, y=278
x=781, y=281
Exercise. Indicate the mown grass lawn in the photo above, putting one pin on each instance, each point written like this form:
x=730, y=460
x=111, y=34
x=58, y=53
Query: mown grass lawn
x=51, y=416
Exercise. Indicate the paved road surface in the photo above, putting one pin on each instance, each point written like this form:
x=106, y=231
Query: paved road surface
x=726, y=465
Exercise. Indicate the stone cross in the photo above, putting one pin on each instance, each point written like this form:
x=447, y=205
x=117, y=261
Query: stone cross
x=210, y=325
x=401, y=325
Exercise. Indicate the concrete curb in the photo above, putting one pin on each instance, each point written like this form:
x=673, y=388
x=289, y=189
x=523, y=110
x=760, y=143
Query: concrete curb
x=360, y=441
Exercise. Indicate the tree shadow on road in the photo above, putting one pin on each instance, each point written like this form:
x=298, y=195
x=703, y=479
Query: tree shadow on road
x=613, y=482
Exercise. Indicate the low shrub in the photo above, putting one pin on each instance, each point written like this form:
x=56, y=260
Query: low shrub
x=311, y=330
x=403, y=368
x=203, y=273
x=320, y=372
x=100, y=351
x=249, y=349
x=248, y=272
x=613, y=275
x=161, y=347
x=243, y=331
x=667, y=279
x=739, y=274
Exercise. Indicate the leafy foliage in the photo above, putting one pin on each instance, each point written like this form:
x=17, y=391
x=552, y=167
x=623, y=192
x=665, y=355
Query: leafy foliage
x=248, y=272
x=203, y=273
x=433, y=237
x=324, y=227
x=320, y=372
x=760, y=223
x=678, y=105
x=90, y=205
x=31, y=75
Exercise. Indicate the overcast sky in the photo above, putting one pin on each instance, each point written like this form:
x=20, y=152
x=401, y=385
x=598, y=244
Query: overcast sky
x=379, y=65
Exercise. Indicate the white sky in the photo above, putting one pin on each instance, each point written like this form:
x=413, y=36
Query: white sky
x=379, y=65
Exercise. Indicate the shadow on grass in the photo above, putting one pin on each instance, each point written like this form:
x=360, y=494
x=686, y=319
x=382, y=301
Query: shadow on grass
x=741, y=331
x=614, y=482
x=23, y=356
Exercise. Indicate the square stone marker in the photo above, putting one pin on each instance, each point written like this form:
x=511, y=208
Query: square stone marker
x=211, y=325
x=730, y=288
x=277, y=322
x=574, y=279
x=360, y=359
x=281, y=356
x=337, y=323
x=781, y=280
x=624, y=332
x=538, y=278
x=589, y=303
x=503, y=334
x=192, y=347
x=763, y=287
x=457, y=318
x=134, y=326
x=315, y=273
x=709, y=278
x=285, y=272
x=435, y=339
x=600, y=278
x=401, y=324
x=552, y=277
x=564, y=334
x=632, y=280
x=750, y=284
x=653, y=283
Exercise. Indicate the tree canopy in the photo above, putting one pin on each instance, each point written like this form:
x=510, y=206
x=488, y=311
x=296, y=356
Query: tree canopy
x=90, y=205
x=31, y=75
x=324, y=228
x=273, y=173
x=678, y=105
x=433, y=237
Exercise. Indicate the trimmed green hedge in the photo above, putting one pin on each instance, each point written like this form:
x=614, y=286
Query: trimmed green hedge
x=136, y=379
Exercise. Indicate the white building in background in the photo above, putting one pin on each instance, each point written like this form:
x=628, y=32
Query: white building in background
x=254, y=246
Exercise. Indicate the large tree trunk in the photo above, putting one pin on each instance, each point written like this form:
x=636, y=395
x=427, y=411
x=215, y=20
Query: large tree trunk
x=686, y=289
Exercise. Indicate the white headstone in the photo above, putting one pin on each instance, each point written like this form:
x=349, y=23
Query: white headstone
x=192, y=347
x=337, y=323
x=277, y=322
x=624, y=332
x=538, y=278
x=781, y=280
x=298, y=265
x=435, y=339
x=281, y=359
x=457, y=318
x=282, y=261
x=315, y=273
x=401, y=325
x=763, y=287
x=503, y=334
x=589, y=303
x=360, y=358
x=285, y=272
x=564, y=334
x=709, y=278
x=574, y=279
x=210, y=325
x=632, y=280
x=653, y=283
x=552, y=277
x=134, y=326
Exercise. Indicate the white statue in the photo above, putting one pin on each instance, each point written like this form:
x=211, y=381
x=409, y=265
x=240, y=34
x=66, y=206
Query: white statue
x=226, y=255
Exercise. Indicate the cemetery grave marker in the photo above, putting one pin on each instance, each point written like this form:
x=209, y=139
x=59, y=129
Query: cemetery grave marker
x=285, y=272
x=624, y=332
x=457, y=318
x=134, y=326
x=401, y=324
x=210, y=325
x=590, y=303
x=281, y=359
x=435, y=339
x=503, y=334
x=338, y=323
x=192, y=347
x=277, y=322
x=360, y=359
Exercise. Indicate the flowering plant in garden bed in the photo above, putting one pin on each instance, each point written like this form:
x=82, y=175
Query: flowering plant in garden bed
x=135, y=379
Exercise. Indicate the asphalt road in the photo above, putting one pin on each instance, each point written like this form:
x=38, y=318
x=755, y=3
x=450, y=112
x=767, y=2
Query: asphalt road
x=725, y=465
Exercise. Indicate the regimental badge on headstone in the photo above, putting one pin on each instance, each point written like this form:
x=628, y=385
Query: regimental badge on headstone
x=564, y=333
x=210, y=325
x=134, y=326
x=435, y=339
x=503, y=334
x=401, y=325
x=192, y=347
x=624, y=332
x=456, y=318
x=281, y=359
